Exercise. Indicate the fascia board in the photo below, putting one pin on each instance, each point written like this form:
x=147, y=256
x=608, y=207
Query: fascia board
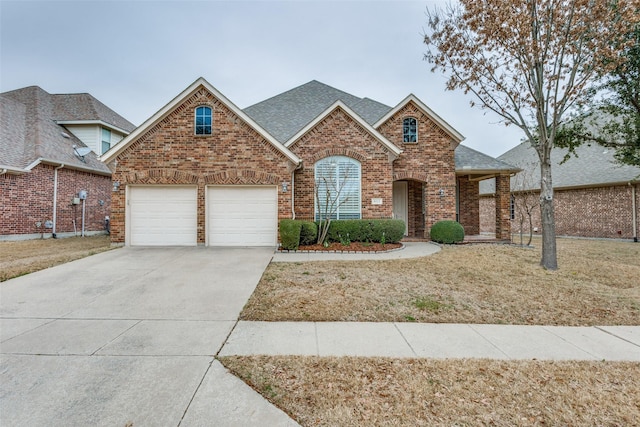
x=339, y=104
x=92, y=122
x=66, y=166
x=428, y=111
x=168, y=108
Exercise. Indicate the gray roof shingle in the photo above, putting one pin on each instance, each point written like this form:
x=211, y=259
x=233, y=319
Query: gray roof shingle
x=592, y=166
x=30, y=131
x=287, y=113
x=468, y=159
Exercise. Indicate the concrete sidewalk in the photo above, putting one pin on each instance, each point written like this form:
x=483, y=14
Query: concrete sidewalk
x=409, y=250
x=440, y=341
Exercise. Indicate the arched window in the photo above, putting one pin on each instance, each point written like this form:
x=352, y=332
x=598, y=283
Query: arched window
x=410, y=130
x=203, y=121
x=337, y=196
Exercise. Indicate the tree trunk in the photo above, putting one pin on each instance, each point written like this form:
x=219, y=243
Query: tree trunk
x=549, y=255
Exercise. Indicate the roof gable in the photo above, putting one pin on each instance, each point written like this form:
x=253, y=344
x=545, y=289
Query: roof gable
x=457, y=136
x=355, y=117
x=286, y=114
x=176, y=102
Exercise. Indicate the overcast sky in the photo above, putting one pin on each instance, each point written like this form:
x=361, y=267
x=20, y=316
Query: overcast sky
x=135, y=56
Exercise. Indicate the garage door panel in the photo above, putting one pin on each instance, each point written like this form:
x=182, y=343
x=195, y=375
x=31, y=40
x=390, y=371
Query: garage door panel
x=242, y=216
x=163, y=216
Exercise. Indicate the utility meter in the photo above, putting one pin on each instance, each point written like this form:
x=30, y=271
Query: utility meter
x=82, y=195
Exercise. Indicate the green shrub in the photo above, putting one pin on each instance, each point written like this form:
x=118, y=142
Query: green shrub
x=290, y=234
x=447, y=232
x=308, y=233
x=366, y=230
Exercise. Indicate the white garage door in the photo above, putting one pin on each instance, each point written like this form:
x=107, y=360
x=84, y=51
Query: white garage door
x=242, y=215
x=162, y=216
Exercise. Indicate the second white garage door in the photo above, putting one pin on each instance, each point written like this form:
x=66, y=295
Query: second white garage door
x=242, y=215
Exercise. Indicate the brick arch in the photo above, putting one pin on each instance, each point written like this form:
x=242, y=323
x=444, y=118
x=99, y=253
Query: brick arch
x=242, y=176
x=161, y=176
x=415, y=176
x=338, y=151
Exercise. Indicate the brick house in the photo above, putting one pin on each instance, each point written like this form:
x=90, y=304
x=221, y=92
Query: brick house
x=593, y=195
x=203, y=171
x=47, y=144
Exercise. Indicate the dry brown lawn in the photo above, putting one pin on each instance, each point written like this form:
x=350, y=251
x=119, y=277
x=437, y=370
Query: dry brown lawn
x=23, y=257
x=598, y=283
x=409, y=392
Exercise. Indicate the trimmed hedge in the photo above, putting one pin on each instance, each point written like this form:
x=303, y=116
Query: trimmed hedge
x=367, y=230
x=447, y=232
x=308, y=233
x=294, y=233
x=290, y=234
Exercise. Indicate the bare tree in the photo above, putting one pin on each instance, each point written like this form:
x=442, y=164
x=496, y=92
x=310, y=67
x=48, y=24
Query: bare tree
x=525, y=199
x=333, y=189
x=530, y=62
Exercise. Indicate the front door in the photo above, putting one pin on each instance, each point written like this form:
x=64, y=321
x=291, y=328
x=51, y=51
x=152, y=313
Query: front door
x=400, y=203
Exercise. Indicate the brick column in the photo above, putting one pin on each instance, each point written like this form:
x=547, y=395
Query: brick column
x=503, y=207
x=469, y=205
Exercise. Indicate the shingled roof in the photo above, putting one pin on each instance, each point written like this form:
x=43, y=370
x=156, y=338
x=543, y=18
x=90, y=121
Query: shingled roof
x=31, y=133
x=591, y=166
x=470, y=160
x=287, y=113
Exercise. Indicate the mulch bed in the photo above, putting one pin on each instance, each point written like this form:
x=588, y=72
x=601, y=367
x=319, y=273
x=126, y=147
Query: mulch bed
x=352, y=247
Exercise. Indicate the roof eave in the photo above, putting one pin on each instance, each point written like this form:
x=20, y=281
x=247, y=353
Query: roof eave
x=93, y=122
x=45, y=161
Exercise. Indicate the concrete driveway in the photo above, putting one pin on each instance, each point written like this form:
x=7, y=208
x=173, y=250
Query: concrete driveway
x=129, y=337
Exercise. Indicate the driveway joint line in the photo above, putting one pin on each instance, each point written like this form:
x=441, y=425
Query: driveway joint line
x=117, y=336
x=193, y=396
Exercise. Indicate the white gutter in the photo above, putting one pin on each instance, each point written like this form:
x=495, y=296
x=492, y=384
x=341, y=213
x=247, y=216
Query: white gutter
x=3, y=172
x=55, y=198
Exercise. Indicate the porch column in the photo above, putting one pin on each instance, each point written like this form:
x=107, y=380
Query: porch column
x=503, y=207
x=469, y=205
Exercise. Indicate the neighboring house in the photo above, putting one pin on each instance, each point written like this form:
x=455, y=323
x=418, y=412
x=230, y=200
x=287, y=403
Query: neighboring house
x=203, y=171
x=46, y=161
x=593, y=195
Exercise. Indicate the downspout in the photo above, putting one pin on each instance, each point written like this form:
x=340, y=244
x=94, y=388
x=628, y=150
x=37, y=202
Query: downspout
x=634, y=212
x=55, y=198
x=293, y=194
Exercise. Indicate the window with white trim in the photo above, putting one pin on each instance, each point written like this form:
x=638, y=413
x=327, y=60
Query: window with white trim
x=338, y=188
x=203, y=121
x=410, y=130
x=106, y=140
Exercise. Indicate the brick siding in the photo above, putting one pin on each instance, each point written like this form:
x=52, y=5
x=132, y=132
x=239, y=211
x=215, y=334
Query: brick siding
x=430, y=161
x=603, y=212
x=170, y=153
x=327, y=139
x=28, y=199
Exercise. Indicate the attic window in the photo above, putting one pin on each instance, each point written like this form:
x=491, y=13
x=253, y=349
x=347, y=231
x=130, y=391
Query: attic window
x=410, y=130
x=203, y=121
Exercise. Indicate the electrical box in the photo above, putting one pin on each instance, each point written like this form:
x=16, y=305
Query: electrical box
x=82, y=194
x=75, y=201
